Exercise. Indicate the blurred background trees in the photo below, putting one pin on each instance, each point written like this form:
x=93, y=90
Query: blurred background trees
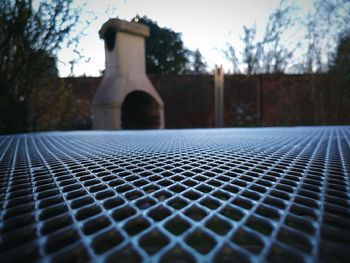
x=265, y=53
x=340, y=63
x=33, y=97
x=328, y=32
x=317, y=45
x=291, y=43
x=30, y=87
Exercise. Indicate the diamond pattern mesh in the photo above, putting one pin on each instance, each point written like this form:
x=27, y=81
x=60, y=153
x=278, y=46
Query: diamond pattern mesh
x=268, y=194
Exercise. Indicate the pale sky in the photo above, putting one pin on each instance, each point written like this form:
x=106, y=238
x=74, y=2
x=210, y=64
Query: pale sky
x=204, y=24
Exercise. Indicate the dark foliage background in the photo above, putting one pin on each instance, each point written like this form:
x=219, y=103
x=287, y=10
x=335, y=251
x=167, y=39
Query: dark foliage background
x=32, y=97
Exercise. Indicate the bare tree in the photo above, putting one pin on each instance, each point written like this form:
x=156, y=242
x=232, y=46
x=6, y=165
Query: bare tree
x=252, y=50
x=275, y=55
x=231, y=56
x=268, y=54
x=326, y=24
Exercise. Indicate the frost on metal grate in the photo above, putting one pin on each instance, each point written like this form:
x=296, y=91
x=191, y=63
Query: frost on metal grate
x=269, y=194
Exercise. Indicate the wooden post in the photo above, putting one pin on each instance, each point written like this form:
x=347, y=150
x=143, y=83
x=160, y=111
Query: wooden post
x=219, y=96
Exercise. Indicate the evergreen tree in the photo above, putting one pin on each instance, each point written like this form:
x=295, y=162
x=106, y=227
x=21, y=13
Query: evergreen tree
x=165, y=52
x=199, y=66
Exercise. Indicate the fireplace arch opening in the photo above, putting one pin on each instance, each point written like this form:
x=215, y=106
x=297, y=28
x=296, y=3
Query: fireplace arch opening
x=140, y=111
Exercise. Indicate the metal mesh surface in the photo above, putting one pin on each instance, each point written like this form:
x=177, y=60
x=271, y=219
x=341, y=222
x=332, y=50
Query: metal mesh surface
x=269, y=194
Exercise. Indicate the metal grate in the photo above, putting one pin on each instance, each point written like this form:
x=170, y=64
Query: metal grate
x=268, y=194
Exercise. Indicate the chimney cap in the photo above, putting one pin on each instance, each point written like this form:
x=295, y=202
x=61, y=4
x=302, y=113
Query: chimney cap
x=124, y=26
